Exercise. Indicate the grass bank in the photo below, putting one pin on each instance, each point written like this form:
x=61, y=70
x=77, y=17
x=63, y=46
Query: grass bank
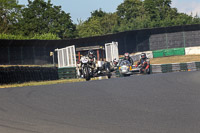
x=175, y=59
x=41, y=83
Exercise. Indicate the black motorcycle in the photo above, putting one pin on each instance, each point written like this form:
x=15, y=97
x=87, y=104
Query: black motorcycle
x=86, y=68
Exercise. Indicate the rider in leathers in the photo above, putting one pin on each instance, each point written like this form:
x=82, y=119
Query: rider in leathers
x=144, y=63
x=92, y=61
x=128, y=58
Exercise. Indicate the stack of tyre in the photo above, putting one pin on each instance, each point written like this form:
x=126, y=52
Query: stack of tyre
x=17, y=74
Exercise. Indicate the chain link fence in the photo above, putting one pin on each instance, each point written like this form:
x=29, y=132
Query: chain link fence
x=36, y=52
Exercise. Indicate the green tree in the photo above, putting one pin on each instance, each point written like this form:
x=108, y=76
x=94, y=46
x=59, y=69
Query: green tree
x=132, y=15
x=130, y=9
x=100, y=23
x=152, y=9
x=98, y=13
x=160, y=12
x=47, y=36
x=40, y=17
x=90, y=28
x=9, y=14
x=138, y=14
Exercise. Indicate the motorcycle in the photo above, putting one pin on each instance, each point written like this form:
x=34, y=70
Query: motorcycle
x=125, y=68
x=104, y=69
x=88, y=71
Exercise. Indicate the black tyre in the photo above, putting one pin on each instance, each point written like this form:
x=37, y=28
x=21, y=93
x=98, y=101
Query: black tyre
x=87, y=74
x=108, y=71
x=109, y=76
x=148, y=71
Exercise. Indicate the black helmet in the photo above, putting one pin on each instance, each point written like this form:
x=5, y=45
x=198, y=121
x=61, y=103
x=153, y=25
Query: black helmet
x=90, y=52
x=143, y=56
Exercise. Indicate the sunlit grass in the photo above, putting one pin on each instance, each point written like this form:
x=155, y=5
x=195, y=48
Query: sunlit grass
x=41, y=83
x=176, y=59
x=48, y=82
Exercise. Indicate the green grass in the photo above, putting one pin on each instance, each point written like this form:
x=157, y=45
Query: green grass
x=41, y=83
x=47, y=82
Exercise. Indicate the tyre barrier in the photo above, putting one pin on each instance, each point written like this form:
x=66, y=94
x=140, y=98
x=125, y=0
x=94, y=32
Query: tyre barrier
x=67, y=73
x=175, y=67
x=17, y=74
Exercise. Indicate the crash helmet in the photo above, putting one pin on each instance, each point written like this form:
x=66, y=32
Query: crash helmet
x=90, y=53
x=126, y=55
x=115, y=61
x=143, y=56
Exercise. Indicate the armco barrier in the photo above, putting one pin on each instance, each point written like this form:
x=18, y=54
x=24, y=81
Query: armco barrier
x=183, y=67
x=137, y=56
x=166, y=68
x=10, y=75
x=191, y=66
x=197, y=65
x=192, y=50
x=179, y=51
x=168, y=52
x=175, y=67
x=158, y=53
x=156, y=68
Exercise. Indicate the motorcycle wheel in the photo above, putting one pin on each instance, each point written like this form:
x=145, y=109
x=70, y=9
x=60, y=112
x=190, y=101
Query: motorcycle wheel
x=108, y=73
x=87, y=74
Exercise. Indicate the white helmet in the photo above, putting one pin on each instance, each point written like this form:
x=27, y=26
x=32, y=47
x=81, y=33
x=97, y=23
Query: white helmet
x=126, y=55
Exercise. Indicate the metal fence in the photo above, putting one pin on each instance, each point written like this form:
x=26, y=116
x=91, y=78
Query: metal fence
x=174, y=40
x=66, y=57
x=111, y=50
x=37, y=51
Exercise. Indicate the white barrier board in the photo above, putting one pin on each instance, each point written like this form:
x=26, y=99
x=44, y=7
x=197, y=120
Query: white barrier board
x=192, y=51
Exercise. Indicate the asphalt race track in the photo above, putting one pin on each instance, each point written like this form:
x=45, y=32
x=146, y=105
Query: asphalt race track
x=160, y=103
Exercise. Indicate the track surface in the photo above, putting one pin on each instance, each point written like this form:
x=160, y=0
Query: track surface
x=161, y=103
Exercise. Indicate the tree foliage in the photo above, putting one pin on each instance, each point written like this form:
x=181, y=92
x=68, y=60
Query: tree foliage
x=9, y=14
x=48, y=36
x=134, y=14
x=42, y=20
x=100, y=23
x=40, y=17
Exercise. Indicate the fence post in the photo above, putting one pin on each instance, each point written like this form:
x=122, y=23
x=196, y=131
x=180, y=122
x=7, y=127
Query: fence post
x=125, y=43
x=184, y=38
x=149, y=43
x=136, y=42
x=45, y=55
x=33, y=54
x=22, y=62
x=166, y=40
x=8, y=55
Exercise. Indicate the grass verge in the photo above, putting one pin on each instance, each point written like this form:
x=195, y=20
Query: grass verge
x=47, y=82
x=41, y=83
x=175, y=59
